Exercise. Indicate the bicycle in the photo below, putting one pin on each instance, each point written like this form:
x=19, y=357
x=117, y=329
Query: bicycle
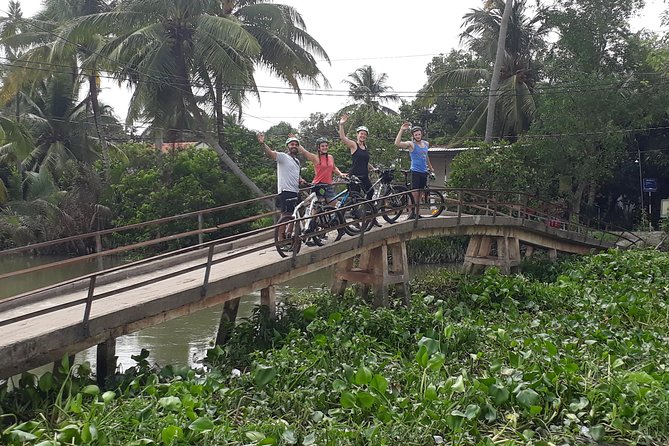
x=354, y=206
x=399, y=200
x=433, y=198
x=311, y=222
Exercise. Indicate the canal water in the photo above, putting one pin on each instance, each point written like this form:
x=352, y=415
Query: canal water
x=182, y=341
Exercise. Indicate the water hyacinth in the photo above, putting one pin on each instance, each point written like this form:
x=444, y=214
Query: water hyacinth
x=573, y=353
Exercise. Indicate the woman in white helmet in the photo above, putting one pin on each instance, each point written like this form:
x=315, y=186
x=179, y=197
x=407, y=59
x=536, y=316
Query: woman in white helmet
x=359, y=154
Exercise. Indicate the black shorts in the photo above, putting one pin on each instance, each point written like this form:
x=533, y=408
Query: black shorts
x=286, y=201
x=418, y=180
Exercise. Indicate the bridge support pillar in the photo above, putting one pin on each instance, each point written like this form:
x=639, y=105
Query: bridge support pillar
x=268, y=299
x=479, y=254
x=227, y=322
x=106, y=360
x=376, y=271
x=529, y=251
x=552, y=254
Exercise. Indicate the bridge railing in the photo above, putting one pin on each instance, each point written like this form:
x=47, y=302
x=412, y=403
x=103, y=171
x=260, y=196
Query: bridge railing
x=469, y=201
x=91, y=280
x=459, y=202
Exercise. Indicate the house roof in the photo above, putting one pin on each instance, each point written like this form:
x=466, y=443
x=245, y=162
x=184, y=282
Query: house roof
x=167, y=146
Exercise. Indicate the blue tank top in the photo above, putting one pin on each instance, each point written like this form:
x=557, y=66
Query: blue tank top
x=419, y=157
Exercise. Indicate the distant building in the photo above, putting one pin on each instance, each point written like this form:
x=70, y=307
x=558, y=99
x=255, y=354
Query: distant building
x=441, y=159
x=171, y=146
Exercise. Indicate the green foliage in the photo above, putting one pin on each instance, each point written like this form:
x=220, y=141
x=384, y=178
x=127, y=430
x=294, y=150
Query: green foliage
x=437, y=250
x=54, y=210
x=577, y=357
x=184, y=181
x=503, y=167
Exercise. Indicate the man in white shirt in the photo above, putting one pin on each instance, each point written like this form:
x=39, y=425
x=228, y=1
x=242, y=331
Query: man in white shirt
x=288, y=172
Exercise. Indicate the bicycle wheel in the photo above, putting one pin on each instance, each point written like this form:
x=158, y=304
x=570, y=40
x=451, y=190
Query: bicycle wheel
x=432, y=203
x=327, y=223
x=358, y=207
x=283, y=236
x=393, y=207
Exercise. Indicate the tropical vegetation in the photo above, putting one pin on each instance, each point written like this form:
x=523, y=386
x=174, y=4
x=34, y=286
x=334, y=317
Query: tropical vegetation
x=582, y=103
x=567, y=353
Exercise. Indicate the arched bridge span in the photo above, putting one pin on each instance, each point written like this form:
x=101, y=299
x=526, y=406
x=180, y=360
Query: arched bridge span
x=41, y=326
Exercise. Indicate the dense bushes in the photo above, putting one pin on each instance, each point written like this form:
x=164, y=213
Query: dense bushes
x=476, y=360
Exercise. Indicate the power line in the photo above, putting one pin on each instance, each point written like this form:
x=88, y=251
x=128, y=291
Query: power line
x=392, y=136
x=539, y=91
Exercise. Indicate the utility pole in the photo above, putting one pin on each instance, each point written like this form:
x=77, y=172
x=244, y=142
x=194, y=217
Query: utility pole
x=497, y=71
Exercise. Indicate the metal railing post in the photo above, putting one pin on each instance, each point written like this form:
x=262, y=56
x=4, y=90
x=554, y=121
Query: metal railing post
x=297, y=229
x=459, y=206
x=363, y=226
x=89, y=303
x=200, y=225
x=207, y=271
x=494, y=210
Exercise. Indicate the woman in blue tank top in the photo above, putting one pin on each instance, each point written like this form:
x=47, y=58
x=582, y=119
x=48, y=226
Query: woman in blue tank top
x=359, y=154
x=418, y=152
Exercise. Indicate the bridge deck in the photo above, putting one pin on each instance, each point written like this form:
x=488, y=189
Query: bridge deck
x=45, y=338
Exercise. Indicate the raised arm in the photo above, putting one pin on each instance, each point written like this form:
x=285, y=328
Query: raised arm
x=307, y=154
x=398, y=139
x=349, y=143
x=268, y=152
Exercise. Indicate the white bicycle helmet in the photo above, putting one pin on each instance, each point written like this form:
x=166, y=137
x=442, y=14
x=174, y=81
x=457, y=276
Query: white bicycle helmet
x=291, y=139
x=362, y=128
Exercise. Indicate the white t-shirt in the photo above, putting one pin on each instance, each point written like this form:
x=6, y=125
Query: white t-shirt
x=288, y=173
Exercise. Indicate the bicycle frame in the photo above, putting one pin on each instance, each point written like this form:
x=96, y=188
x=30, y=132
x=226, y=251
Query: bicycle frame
x=307, y=204
x=380, y=187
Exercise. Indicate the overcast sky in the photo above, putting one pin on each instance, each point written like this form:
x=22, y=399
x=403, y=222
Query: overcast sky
x=396, y=37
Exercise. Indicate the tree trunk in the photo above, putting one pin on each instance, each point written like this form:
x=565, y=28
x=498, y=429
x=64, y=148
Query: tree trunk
x=186, y=89
x=93, y=91
x=497, y=71
x=575, y=202
x=218, y=109
x=158, y=140
x=592, y=193
x=225, y=158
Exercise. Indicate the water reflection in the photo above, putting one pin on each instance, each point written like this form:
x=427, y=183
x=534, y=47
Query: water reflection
x=32, y=281
x=185, y=340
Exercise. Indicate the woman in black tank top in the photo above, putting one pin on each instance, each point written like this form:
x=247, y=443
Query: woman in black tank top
x=359, y=155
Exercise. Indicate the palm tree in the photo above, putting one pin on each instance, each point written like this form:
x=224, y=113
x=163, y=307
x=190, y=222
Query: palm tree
x=369, y=91
x=515, y=108
x=59, y=124
x=494, y=83
x=16, y=146
x=46, y=53
x=172, y=49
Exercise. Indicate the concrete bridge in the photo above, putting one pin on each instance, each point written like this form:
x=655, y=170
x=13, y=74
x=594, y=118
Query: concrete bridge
x=41, y=326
